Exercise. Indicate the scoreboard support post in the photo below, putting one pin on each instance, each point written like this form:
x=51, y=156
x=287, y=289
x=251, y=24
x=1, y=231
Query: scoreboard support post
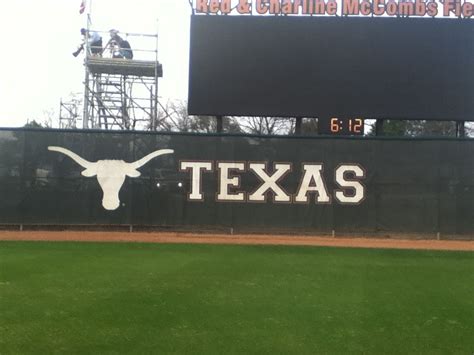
x=379, y=127
x=460, y=129
x=298, y=124
x=219, y=126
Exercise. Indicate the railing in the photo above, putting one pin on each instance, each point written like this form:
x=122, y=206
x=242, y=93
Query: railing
x=143, y=46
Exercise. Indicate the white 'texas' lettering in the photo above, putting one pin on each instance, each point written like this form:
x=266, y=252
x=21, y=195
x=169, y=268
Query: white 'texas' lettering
x=356, y=186
x=270, y=182
x=196, y=173
x=312, y=173
x=226, y=181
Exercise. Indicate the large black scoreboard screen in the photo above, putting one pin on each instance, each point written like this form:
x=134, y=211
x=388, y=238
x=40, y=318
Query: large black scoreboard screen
x=293, y=66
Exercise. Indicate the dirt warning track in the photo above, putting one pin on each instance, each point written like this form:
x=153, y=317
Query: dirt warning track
x=243, y=239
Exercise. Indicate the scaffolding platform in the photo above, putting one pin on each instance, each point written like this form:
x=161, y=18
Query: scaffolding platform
x=121, y=93
x=119, y=66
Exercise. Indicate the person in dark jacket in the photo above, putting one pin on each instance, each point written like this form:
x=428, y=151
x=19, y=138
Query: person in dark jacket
x=124, y=49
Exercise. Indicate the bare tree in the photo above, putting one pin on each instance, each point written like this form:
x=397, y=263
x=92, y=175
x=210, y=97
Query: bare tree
x=266, y=125
x=174, y=117
x=45, y=120
x=208, y=124
x=419, y=128
x=431, y=128
x=50, y=117
x=469, y=129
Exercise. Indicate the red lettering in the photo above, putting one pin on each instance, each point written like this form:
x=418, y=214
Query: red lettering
x=275, y=6
x=406, y=8
x=447, y=7
x=201, y=6
x=365, y=8
x=391, y=8
x=432, y=9
x=225, y=6
x=307, y=7
x=420, y=8
x=467, y=9
x=350, y=7
x=286, y=7
x=331, y=7
x=261, y=8
x=320, y=7
x=379, y=8
x=214, y=6
x=296, y=5
x=458, y=8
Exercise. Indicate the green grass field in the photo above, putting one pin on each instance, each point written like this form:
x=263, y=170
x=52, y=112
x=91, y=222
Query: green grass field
x=97, y=298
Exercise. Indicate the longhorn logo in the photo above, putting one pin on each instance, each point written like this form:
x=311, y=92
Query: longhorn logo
x=110, y=173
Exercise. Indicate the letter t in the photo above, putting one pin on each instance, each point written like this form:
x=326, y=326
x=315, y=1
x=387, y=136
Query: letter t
x=196, y=173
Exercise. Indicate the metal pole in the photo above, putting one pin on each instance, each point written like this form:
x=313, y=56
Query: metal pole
x=155, y=103
x=153, y=110
x=85, y=114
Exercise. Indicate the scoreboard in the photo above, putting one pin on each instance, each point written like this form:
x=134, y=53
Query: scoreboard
x=332, y=67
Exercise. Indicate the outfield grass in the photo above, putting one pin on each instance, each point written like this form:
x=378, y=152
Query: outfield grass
x=81, y=298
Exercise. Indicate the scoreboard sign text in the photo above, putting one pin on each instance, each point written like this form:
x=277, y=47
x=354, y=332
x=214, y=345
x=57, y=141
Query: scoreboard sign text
x=418, y=8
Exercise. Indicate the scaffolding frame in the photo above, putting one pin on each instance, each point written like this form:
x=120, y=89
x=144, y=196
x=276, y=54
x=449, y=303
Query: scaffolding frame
x=120, y=93
x=70, y=116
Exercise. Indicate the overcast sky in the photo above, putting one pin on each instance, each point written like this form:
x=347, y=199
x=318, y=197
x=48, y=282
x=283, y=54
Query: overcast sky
x=38, y=37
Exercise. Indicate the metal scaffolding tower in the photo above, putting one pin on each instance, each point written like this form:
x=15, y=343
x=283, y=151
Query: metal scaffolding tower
x=70, y=115
x=122, y=93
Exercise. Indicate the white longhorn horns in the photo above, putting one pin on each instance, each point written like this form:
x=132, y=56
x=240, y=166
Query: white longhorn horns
x=110, y=173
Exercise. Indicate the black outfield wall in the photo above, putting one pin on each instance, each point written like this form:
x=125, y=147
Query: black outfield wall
x=384, y=186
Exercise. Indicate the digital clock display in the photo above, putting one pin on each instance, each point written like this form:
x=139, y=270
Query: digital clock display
x=341, y=126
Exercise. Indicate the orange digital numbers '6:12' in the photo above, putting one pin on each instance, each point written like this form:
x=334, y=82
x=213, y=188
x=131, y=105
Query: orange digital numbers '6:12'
x=342, y=126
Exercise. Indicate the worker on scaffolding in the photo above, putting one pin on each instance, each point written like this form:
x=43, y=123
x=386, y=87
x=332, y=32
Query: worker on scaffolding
x=94, y=41
x=119, y=47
